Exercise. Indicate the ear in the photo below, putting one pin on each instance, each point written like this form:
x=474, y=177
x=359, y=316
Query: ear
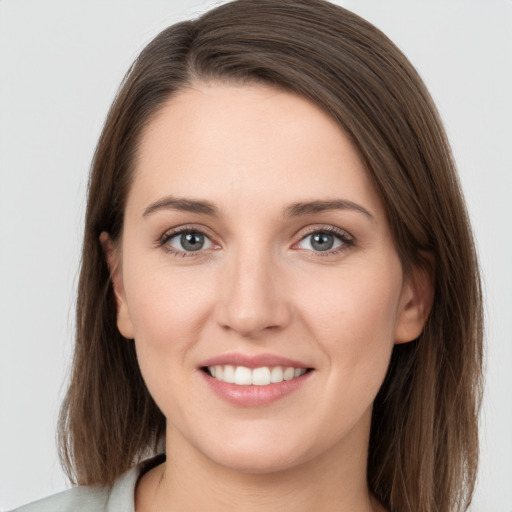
x=113, y=257
x=415, y=305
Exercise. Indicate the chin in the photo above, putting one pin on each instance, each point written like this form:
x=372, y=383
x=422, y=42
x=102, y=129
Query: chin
x=256, y=461
x=266, y=451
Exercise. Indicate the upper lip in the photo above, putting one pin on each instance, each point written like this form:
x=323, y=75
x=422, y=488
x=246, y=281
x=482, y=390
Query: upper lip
x=253, y=361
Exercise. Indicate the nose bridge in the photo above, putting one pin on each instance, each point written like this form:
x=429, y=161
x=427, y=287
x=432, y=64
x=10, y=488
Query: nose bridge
x=252, y=299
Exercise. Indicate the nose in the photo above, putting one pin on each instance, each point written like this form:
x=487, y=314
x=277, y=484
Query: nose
x=252, y=296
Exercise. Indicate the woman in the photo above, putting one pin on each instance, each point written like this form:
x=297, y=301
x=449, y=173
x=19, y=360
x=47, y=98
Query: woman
x=279, y=287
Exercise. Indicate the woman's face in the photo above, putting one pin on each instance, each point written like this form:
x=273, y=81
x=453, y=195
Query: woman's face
x=254, y=241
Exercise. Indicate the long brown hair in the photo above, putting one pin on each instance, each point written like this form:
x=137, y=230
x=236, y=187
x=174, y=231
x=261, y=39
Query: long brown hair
x=423, y=445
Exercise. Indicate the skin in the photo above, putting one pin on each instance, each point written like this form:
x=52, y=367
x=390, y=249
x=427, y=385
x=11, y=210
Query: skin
x=259, y=286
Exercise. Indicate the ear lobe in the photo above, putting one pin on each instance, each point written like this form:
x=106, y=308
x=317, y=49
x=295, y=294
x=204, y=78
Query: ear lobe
x=415, y=305
x=124, y=323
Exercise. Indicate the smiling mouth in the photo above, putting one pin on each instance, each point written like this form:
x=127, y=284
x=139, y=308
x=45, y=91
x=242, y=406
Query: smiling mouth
x=262, y=376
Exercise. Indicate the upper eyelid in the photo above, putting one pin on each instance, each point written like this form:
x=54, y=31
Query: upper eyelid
x=325, y=228
x=172, y=232
x=315, y=228
x=342, y=234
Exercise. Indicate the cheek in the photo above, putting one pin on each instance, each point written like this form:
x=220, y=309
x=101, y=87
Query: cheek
x=353, y=304
x=168, y=310
x=168, y=313
x=352, y=316
x=167, y=307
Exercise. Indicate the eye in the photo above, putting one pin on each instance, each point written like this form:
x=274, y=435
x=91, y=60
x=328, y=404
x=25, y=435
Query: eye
x=186, y=241
x=325, y=240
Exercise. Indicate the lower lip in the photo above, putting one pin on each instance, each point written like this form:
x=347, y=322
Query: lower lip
x=255, y=396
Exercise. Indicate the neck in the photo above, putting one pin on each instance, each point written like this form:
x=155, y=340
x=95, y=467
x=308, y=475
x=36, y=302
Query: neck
x=190, y=481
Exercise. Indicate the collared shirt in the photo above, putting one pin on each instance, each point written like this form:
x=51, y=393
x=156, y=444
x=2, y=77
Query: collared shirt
x=118, y=498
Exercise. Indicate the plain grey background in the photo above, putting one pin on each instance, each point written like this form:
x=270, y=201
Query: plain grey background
x=61, y=62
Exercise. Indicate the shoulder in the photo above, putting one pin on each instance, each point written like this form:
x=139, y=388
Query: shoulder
x=94, y=498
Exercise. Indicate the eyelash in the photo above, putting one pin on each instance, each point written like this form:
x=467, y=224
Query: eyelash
x=346, y=239
x=176, y=232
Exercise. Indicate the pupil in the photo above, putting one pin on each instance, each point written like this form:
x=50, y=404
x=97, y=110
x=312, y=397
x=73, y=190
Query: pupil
x=322, y=241
x=192, y=241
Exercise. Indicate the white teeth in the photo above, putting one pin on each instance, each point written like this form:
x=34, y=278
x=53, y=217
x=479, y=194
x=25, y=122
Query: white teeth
x=288, y=374
x=243, y=376
x=229, y=374
x=276, y=375
x=262, y=376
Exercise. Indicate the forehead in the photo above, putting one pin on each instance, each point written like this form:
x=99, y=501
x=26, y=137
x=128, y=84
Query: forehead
x=253, y=143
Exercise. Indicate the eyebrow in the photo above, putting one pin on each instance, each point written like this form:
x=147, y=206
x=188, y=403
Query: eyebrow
x=306, y=208
x=293, y=210
x=182, y=204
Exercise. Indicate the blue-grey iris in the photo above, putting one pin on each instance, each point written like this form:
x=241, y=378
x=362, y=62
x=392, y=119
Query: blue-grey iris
x=322, y=241
x=192, y=241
